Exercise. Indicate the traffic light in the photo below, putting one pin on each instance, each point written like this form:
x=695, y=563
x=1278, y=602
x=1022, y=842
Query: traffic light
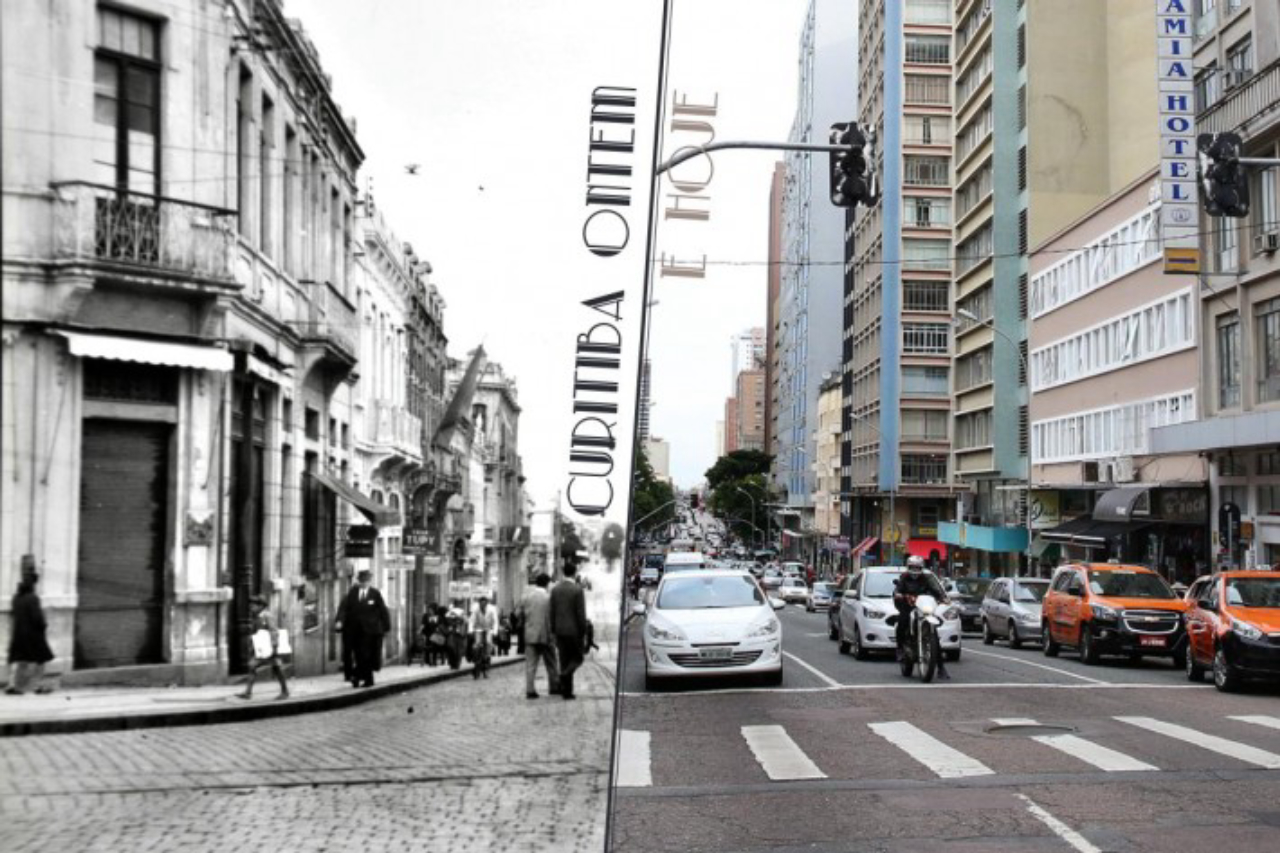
x=850, y=183
x=1223, y=180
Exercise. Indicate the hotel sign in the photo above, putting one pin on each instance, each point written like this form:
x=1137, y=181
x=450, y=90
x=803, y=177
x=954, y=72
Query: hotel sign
x=1179, y=208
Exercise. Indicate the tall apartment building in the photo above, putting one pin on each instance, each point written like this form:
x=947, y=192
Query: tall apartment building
x=827, y=475
x=1237, y=57
x=730, y=425
x=808, y=336
x=748, y=348
x=642, y=410
x=749, y=423
x=773, y=318
x=896, y=343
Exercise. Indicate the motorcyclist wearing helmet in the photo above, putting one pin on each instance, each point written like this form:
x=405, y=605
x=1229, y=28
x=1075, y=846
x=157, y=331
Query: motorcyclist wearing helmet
x=911, y=583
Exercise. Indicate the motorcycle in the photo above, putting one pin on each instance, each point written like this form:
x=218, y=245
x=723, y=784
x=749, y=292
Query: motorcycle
x=923, y=646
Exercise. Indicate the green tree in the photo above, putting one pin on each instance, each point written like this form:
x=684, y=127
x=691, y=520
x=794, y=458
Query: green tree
x=738, y=489
x=649, y=494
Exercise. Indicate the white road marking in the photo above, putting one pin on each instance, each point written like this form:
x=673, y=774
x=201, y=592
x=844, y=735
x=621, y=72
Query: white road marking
x=633, y=760
x=1004, y=685
x=1259, y=720
x=830, y=682
x=1060, y=829
x=1213, y=743
x=779, y=755
x=1024, y=662
x=946, y=762
x=1102, y=757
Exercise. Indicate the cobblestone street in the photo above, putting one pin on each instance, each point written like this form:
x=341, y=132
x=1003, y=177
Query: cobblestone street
x=463, y=766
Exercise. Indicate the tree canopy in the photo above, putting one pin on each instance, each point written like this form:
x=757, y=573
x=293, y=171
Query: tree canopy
x=649, y=493
x=738, y=489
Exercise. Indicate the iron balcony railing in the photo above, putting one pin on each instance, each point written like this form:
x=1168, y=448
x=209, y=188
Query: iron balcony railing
x=103, y=223
x=1244, y=104
x=391, y=425
x=330, y=318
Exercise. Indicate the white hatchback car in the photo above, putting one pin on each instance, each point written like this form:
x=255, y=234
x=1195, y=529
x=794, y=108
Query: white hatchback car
x=868, y=603
x=793, y=590
x=714, y=622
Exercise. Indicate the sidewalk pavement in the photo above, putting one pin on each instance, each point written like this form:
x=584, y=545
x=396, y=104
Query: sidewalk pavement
x=92, y=709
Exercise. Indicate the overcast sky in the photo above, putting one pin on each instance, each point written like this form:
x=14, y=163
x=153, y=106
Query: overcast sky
x=486, y=95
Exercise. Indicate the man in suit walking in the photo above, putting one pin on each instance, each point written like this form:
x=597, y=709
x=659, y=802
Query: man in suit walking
x=363, y=618
x=568, y=626
x=535, y=619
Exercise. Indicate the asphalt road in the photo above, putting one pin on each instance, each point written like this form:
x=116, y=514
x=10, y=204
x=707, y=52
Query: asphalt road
x=1017, y=752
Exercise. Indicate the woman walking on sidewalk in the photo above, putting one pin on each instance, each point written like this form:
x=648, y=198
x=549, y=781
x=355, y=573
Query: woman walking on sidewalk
x=28, y=648
x=263, y=622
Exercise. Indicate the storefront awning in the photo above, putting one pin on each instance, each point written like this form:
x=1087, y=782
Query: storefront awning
x=1067, y=530
x=148, y=351
x=1118, y=504
x=1043, y=549
x=864, y=546
x=380, y=514
x=925, y=547
x=1086, y=531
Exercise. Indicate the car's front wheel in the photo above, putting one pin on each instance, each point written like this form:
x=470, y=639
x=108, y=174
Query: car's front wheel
x=1088, y=647
x=1015, y=642
x=1225, y=676
x=1051, y=647
x=774, y=679
x=988, y=638
x=1195, y=672
x=833, y=633
x=859, y=650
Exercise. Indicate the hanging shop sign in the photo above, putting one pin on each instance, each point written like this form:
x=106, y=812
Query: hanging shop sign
x=1175, y=84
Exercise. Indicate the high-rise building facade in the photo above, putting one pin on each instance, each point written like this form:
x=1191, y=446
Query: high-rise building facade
x=808, y=336
x=646, y=403
x=1237, y=57
x=773, y=319
x=748, y=348
x=749, y=424
x=896, y=345
x=730, y=425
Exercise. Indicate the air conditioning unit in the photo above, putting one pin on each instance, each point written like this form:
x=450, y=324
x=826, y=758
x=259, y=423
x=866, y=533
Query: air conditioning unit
x=1231, y=78
x=1088, y=472
x=1124, y=470
x=1268, y=242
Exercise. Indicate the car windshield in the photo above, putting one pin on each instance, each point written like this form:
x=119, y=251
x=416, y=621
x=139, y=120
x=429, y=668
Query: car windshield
x=822, y=587
x=1254, y=592
x=793, y=582
x=1030, y=592
x=703, y=593
x=972, y=587
x=1125, y=584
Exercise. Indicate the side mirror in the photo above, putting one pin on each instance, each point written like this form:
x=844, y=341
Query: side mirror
x=1076, y=591
x=638, y=608
x=1205, y=604
x=777, y=603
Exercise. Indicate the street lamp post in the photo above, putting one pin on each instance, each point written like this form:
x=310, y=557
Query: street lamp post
x=754, y=528
x=1022, y=362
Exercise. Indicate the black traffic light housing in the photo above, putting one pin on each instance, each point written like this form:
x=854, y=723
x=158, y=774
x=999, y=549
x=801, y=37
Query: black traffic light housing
x=850, y=182
x=1223, y=180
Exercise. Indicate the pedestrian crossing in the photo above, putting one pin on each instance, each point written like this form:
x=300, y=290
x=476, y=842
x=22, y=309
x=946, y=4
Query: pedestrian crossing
x=1108, y=745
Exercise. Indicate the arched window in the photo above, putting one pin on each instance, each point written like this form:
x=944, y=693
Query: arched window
x=377, y=495
x=395, y=501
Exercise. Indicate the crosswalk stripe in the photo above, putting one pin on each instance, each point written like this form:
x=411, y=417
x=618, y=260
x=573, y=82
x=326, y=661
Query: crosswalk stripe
x=1213, y=743
x=633, y=759
x=946, y=762
x=779, y=755
x=1102, y=757
x=1259, y=720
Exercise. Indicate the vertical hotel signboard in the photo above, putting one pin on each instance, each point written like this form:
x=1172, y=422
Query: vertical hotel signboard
x=1179, y=207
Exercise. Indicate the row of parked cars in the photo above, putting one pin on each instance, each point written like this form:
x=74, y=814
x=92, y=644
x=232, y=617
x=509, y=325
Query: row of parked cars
x=1226, y=624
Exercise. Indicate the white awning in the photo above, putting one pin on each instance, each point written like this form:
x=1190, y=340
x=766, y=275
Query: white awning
x=147, y=351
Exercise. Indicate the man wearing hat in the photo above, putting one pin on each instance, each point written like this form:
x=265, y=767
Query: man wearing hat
x=363, y=618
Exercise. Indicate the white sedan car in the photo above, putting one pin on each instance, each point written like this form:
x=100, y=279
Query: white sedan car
x=715, y=622
x=793, y=589
x=867, y=605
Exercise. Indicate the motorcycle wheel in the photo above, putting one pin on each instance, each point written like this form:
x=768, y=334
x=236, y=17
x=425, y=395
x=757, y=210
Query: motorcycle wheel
x=908, y=662
x=929, y=652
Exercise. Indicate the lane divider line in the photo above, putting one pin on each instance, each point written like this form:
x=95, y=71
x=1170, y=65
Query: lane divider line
x=946, y=762
x=828, y=680
x=1060, y=829
x=634, y=760
x=1059, y=670
x=1259, y=720
x=782, y=759
x=1213, y=743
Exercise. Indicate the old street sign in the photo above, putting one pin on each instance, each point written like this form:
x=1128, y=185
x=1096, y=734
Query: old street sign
x=420, y=540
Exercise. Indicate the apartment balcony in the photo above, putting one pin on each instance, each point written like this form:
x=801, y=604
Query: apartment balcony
x=330, y=326
x=1247, y=107
x=142, y=236
x=390, y=428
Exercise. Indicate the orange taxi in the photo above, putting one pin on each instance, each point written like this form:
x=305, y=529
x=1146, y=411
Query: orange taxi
x=1112, y=609
x=1233, y=627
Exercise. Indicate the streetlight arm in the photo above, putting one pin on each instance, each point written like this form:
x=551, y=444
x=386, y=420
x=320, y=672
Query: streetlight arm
x=692, y=151
x=636, y=523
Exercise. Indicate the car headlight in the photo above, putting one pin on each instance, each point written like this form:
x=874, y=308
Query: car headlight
x=657, y=632
x=1102, y=611
x=951, y=613
x=1246, y=631
x=768, y=629
x=873, y=614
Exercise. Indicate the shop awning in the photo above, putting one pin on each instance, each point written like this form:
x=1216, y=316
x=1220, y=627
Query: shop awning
x=925, y=547
x=1118, y=504
x=1066, y=531
x=1042, y=548
x=380, y=514
x=147, y=351
x=864, y=546
x=1088, y=532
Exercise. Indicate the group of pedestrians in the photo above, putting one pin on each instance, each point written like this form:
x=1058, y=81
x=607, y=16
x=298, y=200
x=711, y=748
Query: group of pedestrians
x=556, y=632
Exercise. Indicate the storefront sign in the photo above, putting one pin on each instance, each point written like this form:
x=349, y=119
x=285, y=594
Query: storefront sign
x=1045, y=510
x=1179, y=208
x=1188, y=506
x=420, y=540
x=359, y=541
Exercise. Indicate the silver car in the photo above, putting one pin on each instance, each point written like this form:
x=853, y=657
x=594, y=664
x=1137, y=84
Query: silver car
x=1011, y=610
x=861, y=625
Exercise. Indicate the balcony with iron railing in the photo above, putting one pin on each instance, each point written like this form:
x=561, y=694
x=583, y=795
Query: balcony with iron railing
x=393, y=428
x=1247, y=107
x=330, y=322
x=136, y=233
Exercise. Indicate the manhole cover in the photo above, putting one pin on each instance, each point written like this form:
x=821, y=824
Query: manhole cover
x=1028, y=730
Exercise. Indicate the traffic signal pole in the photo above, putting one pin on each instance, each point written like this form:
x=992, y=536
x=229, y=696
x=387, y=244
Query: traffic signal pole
x=688, y=153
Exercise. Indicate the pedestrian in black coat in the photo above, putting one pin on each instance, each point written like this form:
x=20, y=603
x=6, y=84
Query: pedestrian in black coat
x=568, y=626
x=28, y=648
x=363, y=619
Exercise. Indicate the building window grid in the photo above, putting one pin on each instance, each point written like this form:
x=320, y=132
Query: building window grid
x=1107, y=432
x=925, y=424
x=925, y=295
x=1228, y=354
x=926, y=130
x=926, y=171
x=926, y=338
x=975, y=131
x=927, y=12
x=974, y=369
x=975, y=249
x=974, y=75
x=1268, y=325
x=973, y=430
x=1128, y=247
x=926, y=212
x=926, y=255
x=918, y=381
x=980, y=304
x=927, y=49
x=923, y=470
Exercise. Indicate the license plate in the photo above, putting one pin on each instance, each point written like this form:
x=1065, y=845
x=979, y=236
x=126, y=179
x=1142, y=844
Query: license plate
x=715, y=654
x=1152, y=641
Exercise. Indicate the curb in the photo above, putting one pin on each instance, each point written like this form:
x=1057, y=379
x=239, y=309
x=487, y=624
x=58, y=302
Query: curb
x=235, y=713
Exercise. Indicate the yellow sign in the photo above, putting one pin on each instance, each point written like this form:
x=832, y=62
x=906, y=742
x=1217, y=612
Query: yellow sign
x=1181, y=261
